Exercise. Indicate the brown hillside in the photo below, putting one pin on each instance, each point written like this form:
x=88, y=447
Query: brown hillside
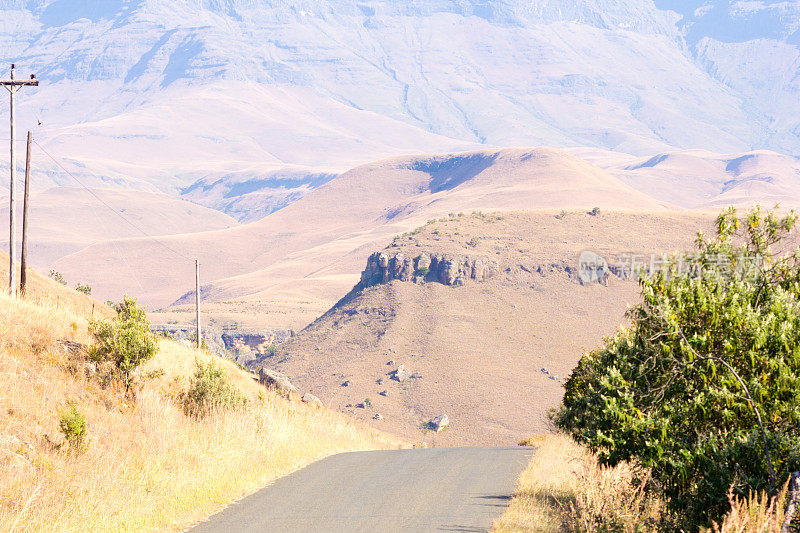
x=65, y=220
x=492, y=354
x=312, y=249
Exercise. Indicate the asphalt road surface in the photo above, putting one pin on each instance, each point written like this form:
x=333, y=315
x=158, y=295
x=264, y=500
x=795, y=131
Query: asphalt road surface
x=436, y=489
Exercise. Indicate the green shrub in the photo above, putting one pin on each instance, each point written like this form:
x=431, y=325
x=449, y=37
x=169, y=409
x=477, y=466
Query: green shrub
x=73, y=427
x=210, y=389
x=85, y=289
x=595, y=211
x=703, y=387
x=126, y=341
x=56, y=276
x=423, y=271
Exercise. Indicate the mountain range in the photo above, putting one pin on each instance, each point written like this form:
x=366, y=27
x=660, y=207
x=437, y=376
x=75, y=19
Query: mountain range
x=162, y=94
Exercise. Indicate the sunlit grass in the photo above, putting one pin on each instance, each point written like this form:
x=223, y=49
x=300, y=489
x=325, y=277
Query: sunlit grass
x=147, y=466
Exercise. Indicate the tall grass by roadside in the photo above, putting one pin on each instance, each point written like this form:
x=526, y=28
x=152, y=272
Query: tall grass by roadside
x=565, y=489
x=143, y=463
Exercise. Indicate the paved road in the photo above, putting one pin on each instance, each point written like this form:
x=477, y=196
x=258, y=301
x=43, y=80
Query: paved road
x=437, y=489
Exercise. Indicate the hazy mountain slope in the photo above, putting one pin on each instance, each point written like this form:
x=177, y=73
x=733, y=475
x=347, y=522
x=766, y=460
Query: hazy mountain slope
x=141, y=92
x=751, y=47
x=479, y=349
x=321, y=237
x=177, y=136
x=250, y=196
x=699, y=179
x=64, y=220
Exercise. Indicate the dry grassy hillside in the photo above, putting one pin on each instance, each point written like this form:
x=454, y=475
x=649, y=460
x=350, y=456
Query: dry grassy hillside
x=146, y=465
x=65, y=220
x=491, y=355
x=311, y=250
x=44, y=291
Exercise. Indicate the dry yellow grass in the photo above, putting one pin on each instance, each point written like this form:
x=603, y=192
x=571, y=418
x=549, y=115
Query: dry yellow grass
x=147, y=466
x=755, y=514
x=564, y=489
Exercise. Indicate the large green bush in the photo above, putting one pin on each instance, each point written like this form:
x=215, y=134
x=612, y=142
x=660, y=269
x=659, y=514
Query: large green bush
x=704, y=387
x=126, y=341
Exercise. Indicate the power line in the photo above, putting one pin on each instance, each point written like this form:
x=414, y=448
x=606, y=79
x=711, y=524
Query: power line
x=120, y=215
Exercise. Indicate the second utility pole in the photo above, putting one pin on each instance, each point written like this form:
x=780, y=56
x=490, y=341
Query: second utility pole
x=197, y=300
x=23, y=275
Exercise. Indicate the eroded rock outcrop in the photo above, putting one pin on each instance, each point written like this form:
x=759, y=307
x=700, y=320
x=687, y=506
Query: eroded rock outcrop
x=276, y=380
x=443, y=268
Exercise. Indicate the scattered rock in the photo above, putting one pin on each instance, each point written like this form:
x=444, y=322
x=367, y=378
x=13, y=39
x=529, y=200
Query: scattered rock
x=275, y=380
x=377, y=416
x=90, y=368
x=379, y=381
x=439, y=423
x=311, y=399
x=390, y=363
x=71, y=347
x=384, y=393
x=401, y=374
x=346, y=383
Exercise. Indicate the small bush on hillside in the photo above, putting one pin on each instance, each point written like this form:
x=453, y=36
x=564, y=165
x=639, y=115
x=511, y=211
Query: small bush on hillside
x=595, y=211
x=702, y=388
x=210, y=389
x=474, y=242
x=85, y=289
x=204, y=346
x=73, y=427
x=56, y=276
x=126, y=341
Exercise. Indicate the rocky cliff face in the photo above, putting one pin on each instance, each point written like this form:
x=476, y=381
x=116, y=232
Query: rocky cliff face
x=442, y=268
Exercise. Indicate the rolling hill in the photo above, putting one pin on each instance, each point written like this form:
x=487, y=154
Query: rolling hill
x=492, y=354
x=65, y=220
x=161, y=93
x=698, y=179
x=313, y=248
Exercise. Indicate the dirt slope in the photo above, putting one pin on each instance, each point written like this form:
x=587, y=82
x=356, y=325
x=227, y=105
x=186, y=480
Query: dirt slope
x=480, y=349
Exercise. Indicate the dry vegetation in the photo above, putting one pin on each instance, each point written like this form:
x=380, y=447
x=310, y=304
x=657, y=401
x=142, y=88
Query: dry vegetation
x=564, y=489
x=145, y=464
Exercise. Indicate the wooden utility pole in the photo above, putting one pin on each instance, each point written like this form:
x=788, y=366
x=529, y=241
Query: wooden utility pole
x=23, y=275
x=197, y=300
x=13, y=85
